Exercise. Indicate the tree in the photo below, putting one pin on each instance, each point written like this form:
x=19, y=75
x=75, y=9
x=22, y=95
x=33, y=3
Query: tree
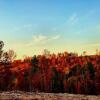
x=5, y=59
x=34, y=63
x=11, y=55
x=6, y=56
x=46, y=52
x=57, y=81
x=1, y=51
x=91, y=70
x=84, y=53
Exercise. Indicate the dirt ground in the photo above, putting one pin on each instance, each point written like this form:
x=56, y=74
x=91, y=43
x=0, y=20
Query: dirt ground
x=19, y=95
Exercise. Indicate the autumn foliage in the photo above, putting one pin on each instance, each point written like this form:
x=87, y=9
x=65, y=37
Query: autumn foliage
x=62, y=72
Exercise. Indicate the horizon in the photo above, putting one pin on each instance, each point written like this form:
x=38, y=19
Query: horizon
x=28, y=27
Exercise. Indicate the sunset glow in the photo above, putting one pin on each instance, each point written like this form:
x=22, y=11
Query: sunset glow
x=30, y=26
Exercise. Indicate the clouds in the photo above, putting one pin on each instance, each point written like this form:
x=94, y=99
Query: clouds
x=73, y=19
x=43, y=39
x=39, y=38
x=23, y=27
x=89, y=14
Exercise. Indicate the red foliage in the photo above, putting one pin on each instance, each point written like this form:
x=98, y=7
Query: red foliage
x=41, y=78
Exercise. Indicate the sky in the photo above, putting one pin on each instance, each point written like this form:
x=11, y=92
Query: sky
x=30, y=26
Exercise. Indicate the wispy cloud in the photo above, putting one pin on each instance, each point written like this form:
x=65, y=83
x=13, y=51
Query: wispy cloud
x=23, y=27
x=73, y=19
x=42, y=39
x=39, y=38
x=89, y=14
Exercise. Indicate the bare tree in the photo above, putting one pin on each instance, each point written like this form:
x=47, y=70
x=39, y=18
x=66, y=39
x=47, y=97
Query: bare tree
x=1, y=45
x=84, y=53
x=11, y=55
x=46, y=52
x=1, y=51
x=6, y=56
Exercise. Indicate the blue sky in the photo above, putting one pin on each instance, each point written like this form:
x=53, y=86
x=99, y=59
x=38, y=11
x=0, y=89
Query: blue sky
x=29, y=26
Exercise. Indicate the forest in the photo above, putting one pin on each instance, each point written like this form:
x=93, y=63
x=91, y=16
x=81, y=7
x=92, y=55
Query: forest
x=53, y=73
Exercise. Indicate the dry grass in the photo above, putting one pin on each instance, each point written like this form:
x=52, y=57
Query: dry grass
x=18, y=95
